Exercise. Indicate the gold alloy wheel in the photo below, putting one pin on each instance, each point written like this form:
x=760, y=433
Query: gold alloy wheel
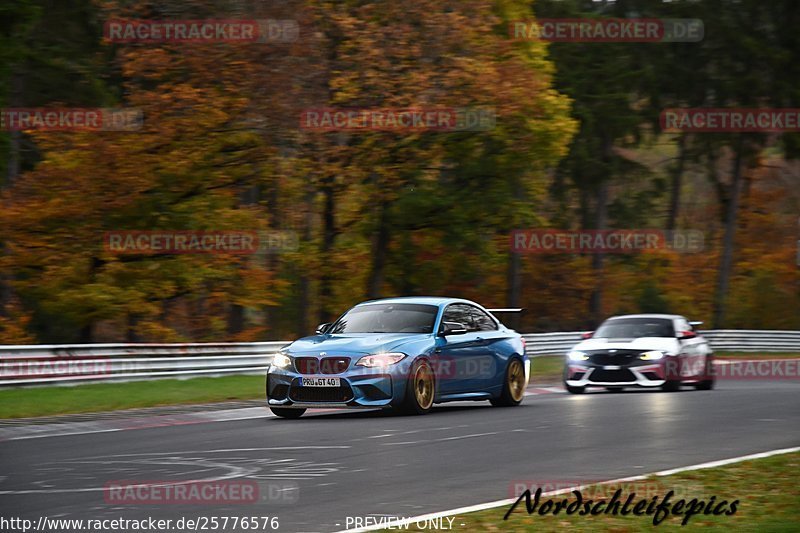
x=516, y=380
x=423, y=387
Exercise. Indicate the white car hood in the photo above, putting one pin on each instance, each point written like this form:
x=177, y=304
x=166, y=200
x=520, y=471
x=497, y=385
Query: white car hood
x=664, y=344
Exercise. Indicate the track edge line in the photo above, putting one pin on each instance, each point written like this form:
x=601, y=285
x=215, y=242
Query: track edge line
x=509, y=501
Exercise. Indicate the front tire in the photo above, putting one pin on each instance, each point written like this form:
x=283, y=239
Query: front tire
x=513, y=385
x=283, y=412
x=671, y=385
x=707, y=384
x=420, y=389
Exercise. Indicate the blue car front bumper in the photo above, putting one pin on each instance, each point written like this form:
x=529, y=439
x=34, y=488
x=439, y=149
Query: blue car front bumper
x=358, y=388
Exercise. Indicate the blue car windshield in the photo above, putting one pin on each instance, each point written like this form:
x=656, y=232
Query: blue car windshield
x=635, y=328
x=387, y=318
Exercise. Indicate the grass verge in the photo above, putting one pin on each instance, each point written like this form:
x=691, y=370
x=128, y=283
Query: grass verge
x=766, y=490
x=42, y=401
x=547, y=368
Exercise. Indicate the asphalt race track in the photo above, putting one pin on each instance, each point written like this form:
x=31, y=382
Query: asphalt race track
x=327, y=466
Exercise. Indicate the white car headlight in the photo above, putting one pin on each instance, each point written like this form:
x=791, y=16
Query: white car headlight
x=281, y=360
x=380, y=359
x=577, y=356
x=655, y=355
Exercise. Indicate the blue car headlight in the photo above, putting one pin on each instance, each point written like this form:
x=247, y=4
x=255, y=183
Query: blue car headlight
x=381, y=360
x=281, y=360
x=577, y=356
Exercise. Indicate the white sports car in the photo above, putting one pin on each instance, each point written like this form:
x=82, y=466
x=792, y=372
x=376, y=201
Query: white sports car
x=641, y=351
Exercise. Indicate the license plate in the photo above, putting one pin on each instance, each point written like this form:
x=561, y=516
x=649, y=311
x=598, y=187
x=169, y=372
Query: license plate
x=319, y=382
x=612, y=367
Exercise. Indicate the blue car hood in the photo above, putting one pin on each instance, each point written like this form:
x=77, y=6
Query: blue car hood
x=353, y=343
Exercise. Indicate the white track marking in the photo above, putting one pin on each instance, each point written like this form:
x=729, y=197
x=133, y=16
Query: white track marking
x=63, y=429
x=170, y=458
x=235, y=472
x=426, y=430
x=723, y=462
x=398, y=524
x=444, y=439
x=458, y=437
x=66, y=434
x=226, y=450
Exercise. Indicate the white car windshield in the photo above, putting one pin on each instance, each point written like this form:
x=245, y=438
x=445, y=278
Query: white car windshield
x=634, y=328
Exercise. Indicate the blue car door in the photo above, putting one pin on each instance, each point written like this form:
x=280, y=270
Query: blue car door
x=465, y=362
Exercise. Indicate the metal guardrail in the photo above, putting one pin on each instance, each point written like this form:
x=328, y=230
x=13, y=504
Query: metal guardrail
x=77, y=363
x=721, y=340
x=739, y=340
x=538, y=344
x=74, y=363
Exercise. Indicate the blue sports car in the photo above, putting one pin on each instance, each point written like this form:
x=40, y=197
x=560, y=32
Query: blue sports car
x=401, y=353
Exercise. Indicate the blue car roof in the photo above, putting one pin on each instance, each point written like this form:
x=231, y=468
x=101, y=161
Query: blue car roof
x=428, y=300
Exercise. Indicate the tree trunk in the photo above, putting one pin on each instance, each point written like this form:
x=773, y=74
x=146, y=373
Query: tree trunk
x=271, y=263
x=514, y=290
x=726, y=261
x=601, y=221
x=302, y=327
x=514, y=270
x=328, y=237
x=235, y=319
x=677, y=178
x=86, y=334
x=130, y=328
x=14, y=147
x=380, y=247
x=513, y=280
x=15, y=137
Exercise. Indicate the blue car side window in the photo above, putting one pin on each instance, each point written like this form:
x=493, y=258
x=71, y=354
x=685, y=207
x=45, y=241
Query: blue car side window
x=459, y=313
x=481, y=320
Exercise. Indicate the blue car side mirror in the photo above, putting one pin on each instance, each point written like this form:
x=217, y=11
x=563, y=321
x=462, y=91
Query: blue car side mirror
x=453, y=328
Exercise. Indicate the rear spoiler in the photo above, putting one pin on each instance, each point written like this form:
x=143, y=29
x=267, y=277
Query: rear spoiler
x=696, y=323
x=507, y=310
